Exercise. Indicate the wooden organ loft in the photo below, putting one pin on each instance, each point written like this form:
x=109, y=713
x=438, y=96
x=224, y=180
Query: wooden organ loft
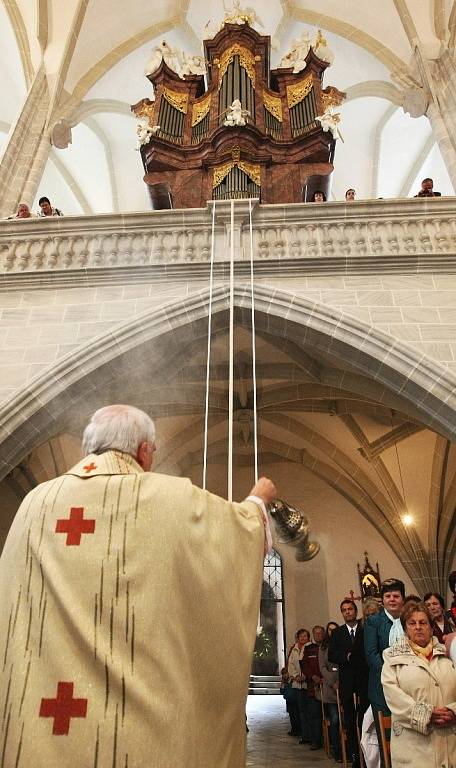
x=280, y=155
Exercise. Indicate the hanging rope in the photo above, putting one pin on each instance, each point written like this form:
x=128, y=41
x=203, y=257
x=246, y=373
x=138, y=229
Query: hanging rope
x=209, y=334
x=231, y=370
x=398, y=462
x=231, y=353
x=255, y=411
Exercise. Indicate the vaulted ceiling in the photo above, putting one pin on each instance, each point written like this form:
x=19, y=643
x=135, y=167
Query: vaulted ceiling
x=342, y=430
x=95, y=53
x=312, y=412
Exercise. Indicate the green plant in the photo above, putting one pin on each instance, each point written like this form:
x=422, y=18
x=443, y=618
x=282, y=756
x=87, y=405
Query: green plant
x=263, y=647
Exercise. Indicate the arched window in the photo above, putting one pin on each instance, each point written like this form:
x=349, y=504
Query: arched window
x=269, y=655
x=272, y=574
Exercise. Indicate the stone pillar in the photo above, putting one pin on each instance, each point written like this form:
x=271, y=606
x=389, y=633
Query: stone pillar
x=25, y=157
x=442, y=109
x=444, y=140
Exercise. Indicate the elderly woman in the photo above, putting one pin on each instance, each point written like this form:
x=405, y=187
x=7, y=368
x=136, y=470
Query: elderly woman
x=442, y=623
x=419, y=683
x=23, y=212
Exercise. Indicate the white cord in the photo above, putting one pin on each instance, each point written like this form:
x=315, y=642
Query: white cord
x=231, y=371
x=209, y=333
x=255, y=413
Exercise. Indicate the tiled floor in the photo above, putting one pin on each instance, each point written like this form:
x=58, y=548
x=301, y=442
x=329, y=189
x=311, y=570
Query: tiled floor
x=269, y=746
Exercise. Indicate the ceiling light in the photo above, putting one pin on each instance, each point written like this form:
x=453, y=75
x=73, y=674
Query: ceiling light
x=407, y=519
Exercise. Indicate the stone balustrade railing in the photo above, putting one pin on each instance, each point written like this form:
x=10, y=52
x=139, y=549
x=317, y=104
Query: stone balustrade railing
x=331, y=235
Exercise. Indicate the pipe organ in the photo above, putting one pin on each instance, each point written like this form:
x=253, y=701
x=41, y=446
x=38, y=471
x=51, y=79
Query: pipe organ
x=244, y=131
x=171, y=117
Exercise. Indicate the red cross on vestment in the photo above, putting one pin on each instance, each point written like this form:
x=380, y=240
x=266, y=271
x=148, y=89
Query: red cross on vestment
x=63, y=708
x=89, y=467
x=75, y=526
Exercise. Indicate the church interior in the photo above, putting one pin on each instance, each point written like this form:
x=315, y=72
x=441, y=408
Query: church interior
x=344, y=389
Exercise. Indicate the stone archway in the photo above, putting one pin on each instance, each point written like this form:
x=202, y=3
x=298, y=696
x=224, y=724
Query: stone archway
x=374, y=370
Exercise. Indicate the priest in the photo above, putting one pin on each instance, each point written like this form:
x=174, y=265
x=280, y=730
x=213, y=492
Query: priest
x=129, y=607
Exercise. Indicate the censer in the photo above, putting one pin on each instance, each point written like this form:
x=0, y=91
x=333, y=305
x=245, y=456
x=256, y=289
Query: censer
x=293, y=529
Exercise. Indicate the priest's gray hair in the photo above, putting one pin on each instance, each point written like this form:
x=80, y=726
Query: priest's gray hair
x=118, y=428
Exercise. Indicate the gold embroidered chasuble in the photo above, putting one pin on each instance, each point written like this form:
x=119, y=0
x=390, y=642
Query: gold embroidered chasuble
x=129, y=607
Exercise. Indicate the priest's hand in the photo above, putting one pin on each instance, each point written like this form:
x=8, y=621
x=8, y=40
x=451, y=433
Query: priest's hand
x=265, y=490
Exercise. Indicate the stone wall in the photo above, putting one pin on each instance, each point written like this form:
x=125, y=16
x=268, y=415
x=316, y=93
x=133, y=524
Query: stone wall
x=65, y=282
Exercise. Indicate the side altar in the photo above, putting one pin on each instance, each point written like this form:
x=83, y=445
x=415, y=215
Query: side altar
x=241, y=130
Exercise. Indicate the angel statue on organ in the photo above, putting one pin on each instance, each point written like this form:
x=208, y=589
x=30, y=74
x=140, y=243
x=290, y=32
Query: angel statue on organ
x=163, y=52
x=235, y=115
x=329, y=121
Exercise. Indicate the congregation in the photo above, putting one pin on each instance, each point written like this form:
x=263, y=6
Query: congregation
x=426, y=190
x=47, y=209
x=377, y=691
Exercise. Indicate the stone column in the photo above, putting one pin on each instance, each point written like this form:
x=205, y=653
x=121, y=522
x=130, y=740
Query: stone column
x=444, y=140
x=25, y=157
x=442, y=109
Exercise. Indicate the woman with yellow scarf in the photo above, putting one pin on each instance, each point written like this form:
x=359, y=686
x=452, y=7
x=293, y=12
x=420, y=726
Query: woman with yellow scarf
x=419, y=683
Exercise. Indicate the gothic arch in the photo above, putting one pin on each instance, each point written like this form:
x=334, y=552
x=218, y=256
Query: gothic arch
x=63, y=394
x=20, y=33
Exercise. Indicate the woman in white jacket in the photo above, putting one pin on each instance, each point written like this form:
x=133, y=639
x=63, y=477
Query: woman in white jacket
x=298, y=681
x=419, y=683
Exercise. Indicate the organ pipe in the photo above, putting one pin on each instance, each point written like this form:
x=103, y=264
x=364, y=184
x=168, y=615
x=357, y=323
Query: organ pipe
x=236, y=84
x=235, y=186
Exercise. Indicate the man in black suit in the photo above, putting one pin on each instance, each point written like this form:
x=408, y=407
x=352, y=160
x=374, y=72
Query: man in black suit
x=346, y=649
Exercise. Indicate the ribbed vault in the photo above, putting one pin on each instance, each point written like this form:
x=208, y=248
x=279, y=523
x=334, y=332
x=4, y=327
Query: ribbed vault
x=339, y=399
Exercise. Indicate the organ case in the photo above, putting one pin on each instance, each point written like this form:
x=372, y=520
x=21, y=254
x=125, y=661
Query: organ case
x=272, y=155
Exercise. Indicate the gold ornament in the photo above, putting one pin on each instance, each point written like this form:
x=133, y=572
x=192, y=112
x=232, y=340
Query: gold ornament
x=145, y=109
x=200, y=110
x=274, y=105
x=177, y=100
x=298, y=91
x=246, y=60
x=252, y=171
x=332, y=97
x=220, y=172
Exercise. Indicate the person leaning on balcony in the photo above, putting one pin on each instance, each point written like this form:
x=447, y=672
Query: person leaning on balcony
x=427, y=189
x=419, y=683
x=318, y=196
x=46, y=209
x=350, y=195
x=23, y=212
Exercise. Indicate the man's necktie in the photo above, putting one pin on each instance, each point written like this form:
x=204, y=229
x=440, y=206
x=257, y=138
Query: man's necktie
x=352, y=635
